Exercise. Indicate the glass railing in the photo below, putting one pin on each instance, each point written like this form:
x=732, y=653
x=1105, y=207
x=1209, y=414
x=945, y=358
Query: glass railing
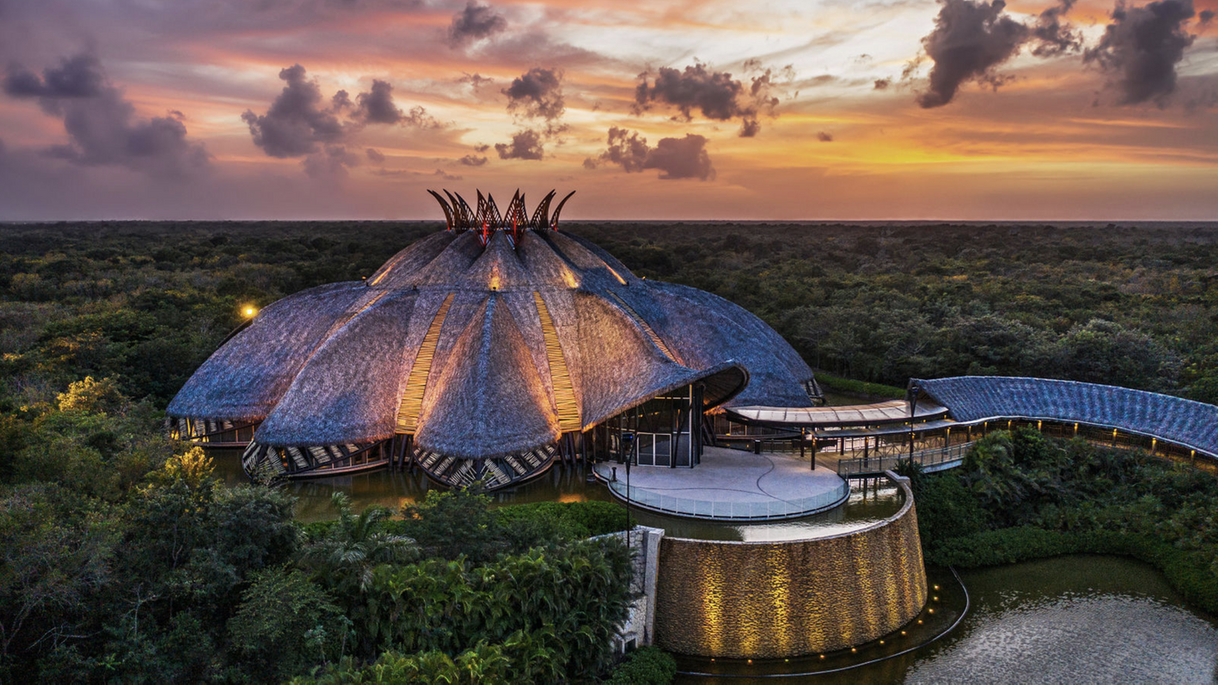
x=927, y=458
x=772, y=509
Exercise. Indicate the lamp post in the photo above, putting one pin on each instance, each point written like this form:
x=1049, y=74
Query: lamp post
x=628, y=451
x=248, y=312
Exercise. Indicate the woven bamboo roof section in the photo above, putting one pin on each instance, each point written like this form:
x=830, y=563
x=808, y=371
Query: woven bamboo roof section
x=485, y=340
x=977, y=398
x=879, y=413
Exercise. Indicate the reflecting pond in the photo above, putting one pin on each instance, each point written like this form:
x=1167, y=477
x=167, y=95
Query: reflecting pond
x=1076, y=619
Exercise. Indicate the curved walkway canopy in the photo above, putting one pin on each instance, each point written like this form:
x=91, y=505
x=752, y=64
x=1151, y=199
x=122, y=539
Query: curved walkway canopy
x=879, y=413
x=1172, y=419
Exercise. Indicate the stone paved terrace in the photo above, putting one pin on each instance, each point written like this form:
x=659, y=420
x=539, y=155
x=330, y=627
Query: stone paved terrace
x=731, y=485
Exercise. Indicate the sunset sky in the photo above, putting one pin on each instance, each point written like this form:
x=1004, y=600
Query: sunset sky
x=704, y=109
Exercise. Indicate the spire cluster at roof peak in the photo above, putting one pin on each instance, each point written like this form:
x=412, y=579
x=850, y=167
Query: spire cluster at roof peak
x=486, y=217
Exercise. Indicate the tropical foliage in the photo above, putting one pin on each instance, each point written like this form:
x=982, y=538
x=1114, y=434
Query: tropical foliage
x=1021, y=495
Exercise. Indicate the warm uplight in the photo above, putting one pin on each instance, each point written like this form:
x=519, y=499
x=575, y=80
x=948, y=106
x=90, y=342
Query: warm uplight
x=250, y=312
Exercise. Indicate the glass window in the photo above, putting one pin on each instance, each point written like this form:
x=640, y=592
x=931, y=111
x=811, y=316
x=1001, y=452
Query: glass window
x=646, y=443
x=663, y=453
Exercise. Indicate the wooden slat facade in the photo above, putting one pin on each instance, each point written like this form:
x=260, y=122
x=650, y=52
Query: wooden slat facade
x=416, y=384
x=564, y=393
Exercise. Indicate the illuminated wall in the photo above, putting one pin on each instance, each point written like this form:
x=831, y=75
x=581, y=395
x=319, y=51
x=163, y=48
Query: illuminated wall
x=777, y=599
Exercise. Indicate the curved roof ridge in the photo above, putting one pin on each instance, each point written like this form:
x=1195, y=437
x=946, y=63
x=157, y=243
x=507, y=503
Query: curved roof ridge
x=498, y=267
x=455, y=259
x=415, y=256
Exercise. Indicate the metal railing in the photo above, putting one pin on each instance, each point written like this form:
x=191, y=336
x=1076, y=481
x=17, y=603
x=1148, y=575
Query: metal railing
x=756, y=511
x=928, y=458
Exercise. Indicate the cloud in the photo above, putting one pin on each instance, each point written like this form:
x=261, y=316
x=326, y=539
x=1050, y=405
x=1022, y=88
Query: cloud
x=972, y=39
x=330, y=163
x=525, y=144
x=626, y=149
x=1205, y=17
x=472, y=160
x=376, y=106
x=1052, y=35
x=824, y=137
x=375, y=155
x=715, y=95
x=882, y=83
x=681, y=158
x=102, y=126
x=419, y=118
x=80, y=76
x=969, y=41
x=1142, y=47
x=447, y=176
x=296, y=124
x=474, y=23
x=537, y=93
x=673, y=157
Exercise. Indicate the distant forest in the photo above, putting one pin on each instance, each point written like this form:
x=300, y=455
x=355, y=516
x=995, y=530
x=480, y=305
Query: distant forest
x=146, y=303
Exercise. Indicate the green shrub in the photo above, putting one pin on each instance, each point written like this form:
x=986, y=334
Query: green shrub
x=482, y=665
x=284, y=624
x=573, y=519
x=563, y=604
x=645, y=666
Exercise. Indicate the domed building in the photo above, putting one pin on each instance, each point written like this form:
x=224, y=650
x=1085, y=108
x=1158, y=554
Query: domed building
x=486, y=351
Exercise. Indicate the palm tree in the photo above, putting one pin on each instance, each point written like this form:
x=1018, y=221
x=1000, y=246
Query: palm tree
x=357, y=543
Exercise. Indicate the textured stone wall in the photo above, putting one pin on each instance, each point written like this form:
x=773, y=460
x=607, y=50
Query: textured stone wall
x=778, y=599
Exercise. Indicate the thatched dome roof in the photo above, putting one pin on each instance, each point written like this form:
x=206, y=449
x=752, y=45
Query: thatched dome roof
x=481, y=350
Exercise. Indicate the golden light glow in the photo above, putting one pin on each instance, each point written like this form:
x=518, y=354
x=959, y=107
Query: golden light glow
x=250, y=312
x=783, y=599
x=420, y=371
x=560, y=376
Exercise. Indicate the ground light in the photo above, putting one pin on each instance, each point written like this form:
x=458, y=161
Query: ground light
x=951, y=608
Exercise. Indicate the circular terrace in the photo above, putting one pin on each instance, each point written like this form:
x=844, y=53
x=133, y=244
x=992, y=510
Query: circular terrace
x=730, y=485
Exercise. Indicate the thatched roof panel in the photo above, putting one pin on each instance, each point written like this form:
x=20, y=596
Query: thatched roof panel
x=489, y=376
x=707, y=328
x=342, y=393
x=407, y=263
x=246, y=377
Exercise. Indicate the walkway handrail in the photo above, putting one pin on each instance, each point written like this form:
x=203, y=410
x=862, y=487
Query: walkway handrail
x=935, y=456
x=753, y=511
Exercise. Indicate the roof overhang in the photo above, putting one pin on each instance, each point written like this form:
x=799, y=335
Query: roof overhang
x=876, y=414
